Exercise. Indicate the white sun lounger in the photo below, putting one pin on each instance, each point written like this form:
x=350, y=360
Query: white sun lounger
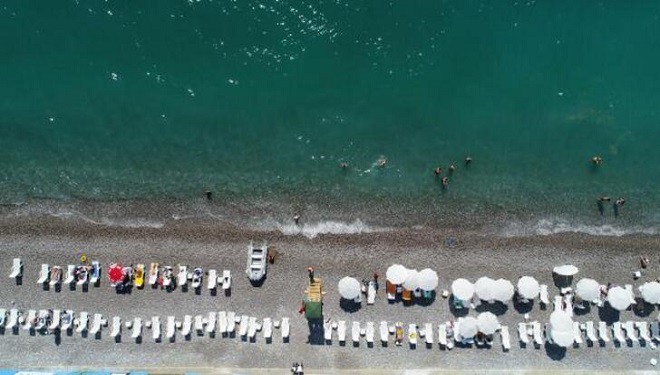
x=371, y=293
x=137, y=328
x=67, y=320
x=428, y=327
x=116, y=327
x=153, y=273
x=212, y=282
x=252, y=327
x=442, y=334
x=231, y=321
x=538, y=335
x=543, y=295
x=577, y=333
x=591, y=331
x=285, y=328
x=629, y=289
x=155, y=327
x=506, y=338
x=70, y=278
x=243, y=326
x=603, y=332
x=327, y=330
x=618, y=333
x=370, y=333
x=355, y=332
x=384, y=332
x=341, y=331
x=268, y=329
x=412, y=334
x=43, y=274
x=558, y=303
x=182, y=276
x=83, y=322
x=211, y=325
x=629, y=326
x=222, y=322
x=30, y=319
x=3, y=317
x=13, y=319
x=170, y=327
x=94, y=279
x=655, y=331
x=643, y=328
x=96, y=324
x=199, y=324
x=522, y=332
x=16, y=268
x=226, y=279
x=187, y=325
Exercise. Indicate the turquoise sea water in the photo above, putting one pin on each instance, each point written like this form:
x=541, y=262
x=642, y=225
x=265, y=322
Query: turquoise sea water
x=109, y=100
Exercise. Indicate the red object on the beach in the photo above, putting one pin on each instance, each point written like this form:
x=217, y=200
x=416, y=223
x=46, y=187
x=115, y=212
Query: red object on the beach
x=115, y=273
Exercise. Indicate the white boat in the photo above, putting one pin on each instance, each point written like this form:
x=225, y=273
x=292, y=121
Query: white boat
x=256, y=262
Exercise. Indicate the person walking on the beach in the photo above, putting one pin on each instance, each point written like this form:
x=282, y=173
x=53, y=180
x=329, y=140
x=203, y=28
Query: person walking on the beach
x=310, y=271
x=618, y=204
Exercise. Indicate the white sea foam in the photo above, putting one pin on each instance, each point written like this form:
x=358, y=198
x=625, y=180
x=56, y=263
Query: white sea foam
x=110, y=222
x=546, y=227
x=312, y=230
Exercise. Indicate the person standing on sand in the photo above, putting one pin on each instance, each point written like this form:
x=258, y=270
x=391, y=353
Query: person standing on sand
x=310, y=271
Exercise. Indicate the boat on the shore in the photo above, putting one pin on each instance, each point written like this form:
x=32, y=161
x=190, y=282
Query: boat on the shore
x=256, y=262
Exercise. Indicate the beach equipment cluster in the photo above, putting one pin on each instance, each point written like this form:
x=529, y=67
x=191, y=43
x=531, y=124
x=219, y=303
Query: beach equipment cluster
x=405, y=284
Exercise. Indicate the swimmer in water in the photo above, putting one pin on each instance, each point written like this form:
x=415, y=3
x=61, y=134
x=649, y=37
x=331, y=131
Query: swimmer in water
x=601, y=207
x=381, y=162
x=438, y=171
x=451, y=169
x=618, y=204
x=445, y=182
x=468, y=161
x=343, y=165
x=596, y=160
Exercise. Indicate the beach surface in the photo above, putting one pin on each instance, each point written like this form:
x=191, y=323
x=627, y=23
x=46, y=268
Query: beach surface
x=57, y=242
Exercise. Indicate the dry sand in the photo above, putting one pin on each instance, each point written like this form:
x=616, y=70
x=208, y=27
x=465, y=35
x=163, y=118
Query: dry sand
x=605, y=259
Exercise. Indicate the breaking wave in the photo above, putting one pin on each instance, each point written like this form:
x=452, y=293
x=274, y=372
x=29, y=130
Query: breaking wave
x=546, y=227
x=313, y=230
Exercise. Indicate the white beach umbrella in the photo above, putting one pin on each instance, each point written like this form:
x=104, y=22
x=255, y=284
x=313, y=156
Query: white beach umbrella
x=484, y=288
x=462, y=289
x=428, y=279
x=563, y=339
x=588, y=289
x=349, y=288
x=566, y=270
x=412, y=281
x=560, y=321
x=503, y=291
x=487, y=323
x=651, y=292
x=619, y=298
x=468, y=327
x=528, y=287
x=396, y=274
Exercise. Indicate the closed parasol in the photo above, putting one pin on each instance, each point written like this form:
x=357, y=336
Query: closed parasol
x=349, y=288
x=651, y=292
x=503, y=291
x=619, y=298
x=428, y=279
x=588, y=289
x=462, y=289
x=484, y=288
x=528, y=287
x=396, y=274
x=115, y=273
x=487, y=323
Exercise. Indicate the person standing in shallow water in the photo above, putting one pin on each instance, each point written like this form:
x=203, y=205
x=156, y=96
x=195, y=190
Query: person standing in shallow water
x=468, y=161
x=617, y=205
x=601, y=207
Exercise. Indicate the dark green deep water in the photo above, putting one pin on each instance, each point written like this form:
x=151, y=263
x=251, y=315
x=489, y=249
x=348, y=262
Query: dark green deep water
x=146, y=100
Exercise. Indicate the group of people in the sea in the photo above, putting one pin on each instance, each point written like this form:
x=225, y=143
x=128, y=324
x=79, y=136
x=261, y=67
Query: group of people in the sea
x=597, y=161
x=444, y=180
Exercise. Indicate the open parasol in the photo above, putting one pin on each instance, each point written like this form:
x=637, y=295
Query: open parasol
x=619, y=298
x=428, y=279
x=396, y=274
x=462, y=289
x=487, y=323
x=528, y=287
x=588, y=289
x=349, y=288
x=115, y=273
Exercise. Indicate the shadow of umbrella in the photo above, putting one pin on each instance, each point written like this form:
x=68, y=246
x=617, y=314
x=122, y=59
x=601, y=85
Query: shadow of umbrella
x=349, y=305
x=608, y=314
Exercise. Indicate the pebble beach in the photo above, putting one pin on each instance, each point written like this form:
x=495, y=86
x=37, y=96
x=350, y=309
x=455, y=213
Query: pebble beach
x=607, y=259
